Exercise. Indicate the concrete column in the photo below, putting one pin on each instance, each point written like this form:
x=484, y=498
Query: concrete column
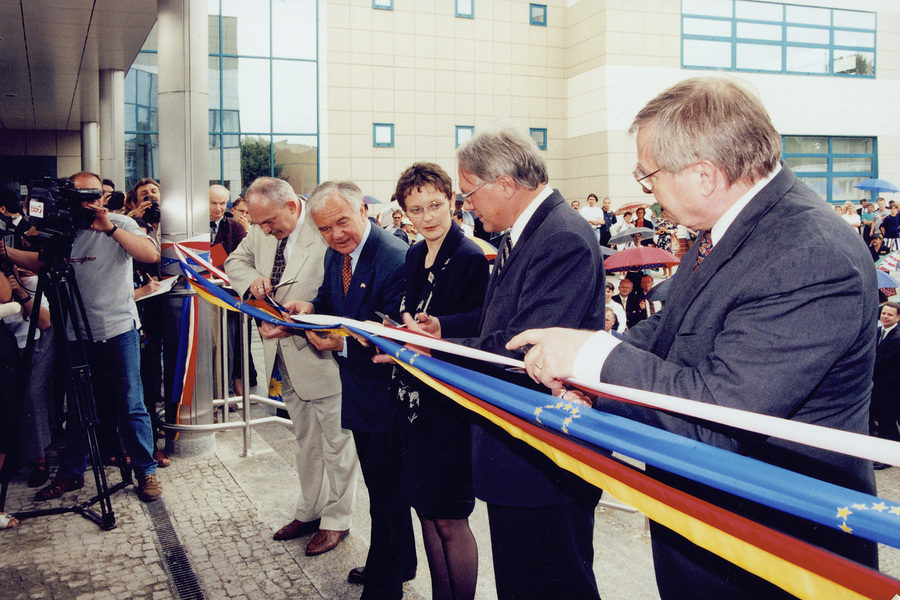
x=90, y=146
x=183, y=149
x=112, y=126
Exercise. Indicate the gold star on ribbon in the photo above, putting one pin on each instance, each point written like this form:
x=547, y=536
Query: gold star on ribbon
x=843, y=513
x=880, y=507
x=896, y=510
x=846, y=528
x=566, y=423
x=537, y=413
x=859, y=507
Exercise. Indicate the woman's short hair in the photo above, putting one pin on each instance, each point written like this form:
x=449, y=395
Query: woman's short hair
x=503, y=150
x=715, y=119
x=419, y=175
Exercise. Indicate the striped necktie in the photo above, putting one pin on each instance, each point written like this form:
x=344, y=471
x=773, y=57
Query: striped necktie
x=503, y=255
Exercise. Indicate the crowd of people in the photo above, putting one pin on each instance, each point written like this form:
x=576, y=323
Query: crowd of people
x=734, y=331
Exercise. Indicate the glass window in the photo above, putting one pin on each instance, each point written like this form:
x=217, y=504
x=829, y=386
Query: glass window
x=383, y=4
x=757, y=57
x=294, y=106
x=709, y=27
x=465, y=9
x=297, y=161
x=540, y=136
x=759, y=11
x=711, y=8
x=463, y=133
x=245, y=28
x=294, y=29
x=845, y=145
x=705, y=53
x=835, y=42
x=248, y=89
x=831, y=166
x=805, y=145
x=807, y=60
x=809, y=164
x=539, y=14
x=383, y=135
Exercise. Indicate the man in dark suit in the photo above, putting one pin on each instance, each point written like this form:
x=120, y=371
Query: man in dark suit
x=223, y=230
x=631, y=302
x=886, y=377
x=549, y=271
x=364, y=274
x=736, y=331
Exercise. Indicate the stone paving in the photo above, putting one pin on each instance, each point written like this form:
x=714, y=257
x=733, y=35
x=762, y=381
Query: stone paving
x=224, y=508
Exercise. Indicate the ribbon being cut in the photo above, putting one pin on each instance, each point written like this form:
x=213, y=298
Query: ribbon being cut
x=579, y=439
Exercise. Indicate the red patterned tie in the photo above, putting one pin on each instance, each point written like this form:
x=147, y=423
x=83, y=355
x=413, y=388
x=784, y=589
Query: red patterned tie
x=347, y=272
x=705, y=245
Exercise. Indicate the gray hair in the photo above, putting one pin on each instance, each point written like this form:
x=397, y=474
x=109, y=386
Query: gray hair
x=503, y=150
x=347, y=190
x=715, y=119
x=278, y=191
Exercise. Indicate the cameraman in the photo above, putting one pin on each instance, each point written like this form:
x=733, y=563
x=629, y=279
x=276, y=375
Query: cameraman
x=101, y=259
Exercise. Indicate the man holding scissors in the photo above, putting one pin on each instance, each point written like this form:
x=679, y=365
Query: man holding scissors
x=282, y=259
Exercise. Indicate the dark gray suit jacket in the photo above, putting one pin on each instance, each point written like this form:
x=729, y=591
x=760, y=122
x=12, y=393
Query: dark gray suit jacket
x=552, y=278
x=779, y=319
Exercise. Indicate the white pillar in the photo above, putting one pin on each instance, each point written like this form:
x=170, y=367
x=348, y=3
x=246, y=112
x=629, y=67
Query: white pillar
x=90, y=146
x=112, y=126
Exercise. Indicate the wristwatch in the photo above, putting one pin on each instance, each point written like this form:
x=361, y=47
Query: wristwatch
x=111, y=231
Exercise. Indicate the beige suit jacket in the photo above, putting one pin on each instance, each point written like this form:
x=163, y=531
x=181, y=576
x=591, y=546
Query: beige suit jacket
x=313, y=374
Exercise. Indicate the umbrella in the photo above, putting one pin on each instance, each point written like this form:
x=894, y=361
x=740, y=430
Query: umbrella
x=607, y=251
x=631, y=207
x=876, y=185
x=885, y=280
x=639, y=258
x=370, y=200
x=489, y=251
x=625, y=235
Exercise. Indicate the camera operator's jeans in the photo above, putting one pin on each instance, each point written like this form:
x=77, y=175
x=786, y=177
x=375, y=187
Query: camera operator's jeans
x=116, y=377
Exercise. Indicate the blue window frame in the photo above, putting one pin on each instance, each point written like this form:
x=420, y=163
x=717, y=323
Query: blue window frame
x=383, y=135
x=383, y=4
x=463, y=133
x=538, y=14
x=831, y=166
x=465, y=9
x=770, y=37
x=540, y=136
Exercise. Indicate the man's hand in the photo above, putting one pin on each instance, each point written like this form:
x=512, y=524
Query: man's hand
x=423, y=323
x=330, y=343
x=552, y=354
x=261, y=287
x=268, y=331
x=101, y=222
x=140, y=209
x=243, y=219
x=146, y=289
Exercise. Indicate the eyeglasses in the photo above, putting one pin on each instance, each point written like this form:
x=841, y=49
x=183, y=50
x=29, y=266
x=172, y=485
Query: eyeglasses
x=642, y=178
x=466, y=196
x=433, y=208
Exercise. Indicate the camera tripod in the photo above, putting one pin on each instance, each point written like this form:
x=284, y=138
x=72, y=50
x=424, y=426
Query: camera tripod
x=58, y=283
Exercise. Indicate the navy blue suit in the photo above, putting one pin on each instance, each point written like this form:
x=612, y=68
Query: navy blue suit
x=552, y=278
x=369, y=409
x=754, y=328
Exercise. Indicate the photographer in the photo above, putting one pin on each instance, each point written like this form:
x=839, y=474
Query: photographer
x=101, y=258
x=142, y=204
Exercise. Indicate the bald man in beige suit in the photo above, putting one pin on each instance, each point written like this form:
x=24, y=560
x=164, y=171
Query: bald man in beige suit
x=285, y=246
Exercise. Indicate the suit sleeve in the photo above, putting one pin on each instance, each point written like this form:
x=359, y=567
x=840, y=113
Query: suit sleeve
x=467, y=297
x=772, y=352
x=241, y=264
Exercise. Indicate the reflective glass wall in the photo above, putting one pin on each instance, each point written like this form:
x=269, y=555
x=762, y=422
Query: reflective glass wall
x=263, y=96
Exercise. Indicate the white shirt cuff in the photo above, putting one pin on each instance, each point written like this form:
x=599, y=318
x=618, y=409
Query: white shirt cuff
x=343, y=351
x=589, y=360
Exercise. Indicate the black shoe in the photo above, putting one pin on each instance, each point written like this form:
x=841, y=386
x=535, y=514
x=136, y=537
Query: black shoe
x=358, y=575
x=39, y=474
x=881, y=466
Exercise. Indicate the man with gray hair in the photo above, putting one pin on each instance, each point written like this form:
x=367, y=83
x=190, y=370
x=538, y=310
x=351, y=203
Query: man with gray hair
x=285, y=250
x=365, y=275
x=541, y=517
x=749, y=321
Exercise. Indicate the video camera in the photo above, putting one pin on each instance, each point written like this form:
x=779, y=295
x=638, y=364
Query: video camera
x=55, y=207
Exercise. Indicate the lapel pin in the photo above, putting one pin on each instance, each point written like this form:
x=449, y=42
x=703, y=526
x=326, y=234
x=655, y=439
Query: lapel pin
x=362, y=286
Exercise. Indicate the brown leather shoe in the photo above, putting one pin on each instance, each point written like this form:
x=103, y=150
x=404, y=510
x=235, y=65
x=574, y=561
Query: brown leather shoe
x=148, y=489
x=295, y=529
x=58, y=487
x=358, y=575
x=325, y=540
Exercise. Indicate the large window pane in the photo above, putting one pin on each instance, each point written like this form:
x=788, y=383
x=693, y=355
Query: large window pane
x=710, y=27
x=713, y=8
x=759, y=11
x=245, y=27
x=818, y=184
x=758, y=31
x=805, y=145
x=853, y=145
x=809, y=35
x=807, y=15
x=703, y=53
x=854, y=38
x=297, y=158
x=807, y=60
x=294, y=29
x=294, y=102
x=757, y=57
x=842, y=164
x=851, y=62
x=844, y=189
x=253, y=93
x=141, y=157
x=807, y=164
x=855, y=19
